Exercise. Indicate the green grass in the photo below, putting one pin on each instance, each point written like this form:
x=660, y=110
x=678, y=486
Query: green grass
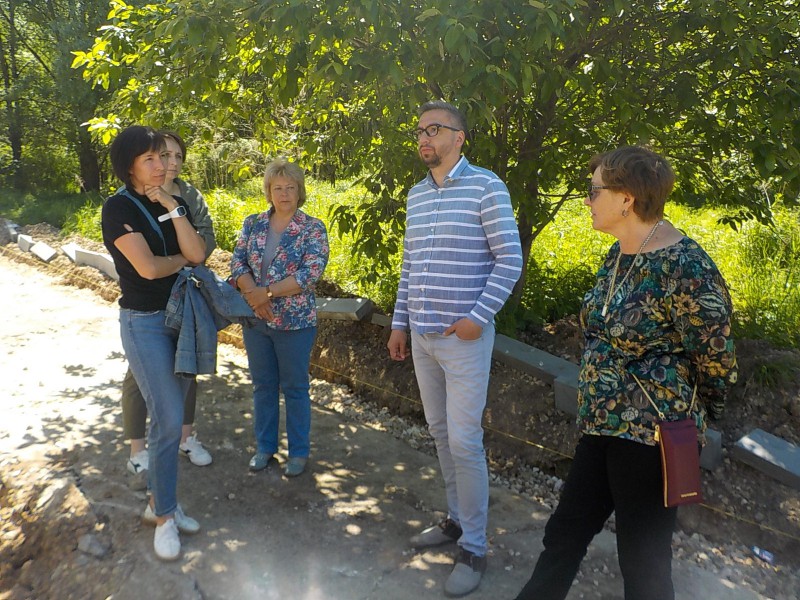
x=56, y=208
x=761, y=264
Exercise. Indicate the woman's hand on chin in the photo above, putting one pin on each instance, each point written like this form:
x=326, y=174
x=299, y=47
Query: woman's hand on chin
x=157, y=194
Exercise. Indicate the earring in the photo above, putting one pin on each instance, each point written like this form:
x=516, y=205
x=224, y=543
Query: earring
x=625, y=212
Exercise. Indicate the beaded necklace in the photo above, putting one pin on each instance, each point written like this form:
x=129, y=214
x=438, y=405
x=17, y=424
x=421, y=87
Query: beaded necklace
x=611, y=290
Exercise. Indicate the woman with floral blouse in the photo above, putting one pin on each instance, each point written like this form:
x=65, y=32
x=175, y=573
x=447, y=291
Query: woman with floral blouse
x=659, y=312
x=279, y=257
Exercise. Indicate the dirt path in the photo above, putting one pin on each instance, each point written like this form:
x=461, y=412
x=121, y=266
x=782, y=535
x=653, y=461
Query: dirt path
x=69, y=525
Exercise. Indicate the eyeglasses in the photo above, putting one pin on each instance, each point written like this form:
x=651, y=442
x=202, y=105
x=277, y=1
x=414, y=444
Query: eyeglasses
x=593, y=190
x=431, y=130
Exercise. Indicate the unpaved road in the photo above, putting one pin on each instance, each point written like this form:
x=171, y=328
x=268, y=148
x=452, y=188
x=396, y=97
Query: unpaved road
x=337, y=532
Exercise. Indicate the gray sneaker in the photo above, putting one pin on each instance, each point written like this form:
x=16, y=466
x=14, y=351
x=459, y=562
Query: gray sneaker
x=446, y=532
x=260, y=461
x=466, y=575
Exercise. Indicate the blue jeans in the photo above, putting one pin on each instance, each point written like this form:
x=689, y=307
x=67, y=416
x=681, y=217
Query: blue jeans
x=453, y=377
x=279, y=360
x=150, y=348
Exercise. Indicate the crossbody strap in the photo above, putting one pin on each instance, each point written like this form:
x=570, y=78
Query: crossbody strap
x=124, y=191
x=660, y=414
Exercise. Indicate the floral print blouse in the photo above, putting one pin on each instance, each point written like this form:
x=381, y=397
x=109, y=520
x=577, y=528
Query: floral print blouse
x=302, y=252
x=669, y=324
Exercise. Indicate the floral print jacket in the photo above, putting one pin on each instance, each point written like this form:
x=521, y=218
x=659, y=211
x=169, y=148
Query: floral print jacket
x=669, y=325
x=302, y=253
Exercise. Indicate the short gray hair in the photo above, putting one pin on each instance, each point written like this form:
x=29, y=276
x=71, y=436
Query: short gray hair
x=461, y=120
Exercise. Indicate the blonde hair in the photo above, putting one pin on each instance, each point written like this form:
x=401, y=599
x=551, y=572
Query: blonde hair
x=280, y=167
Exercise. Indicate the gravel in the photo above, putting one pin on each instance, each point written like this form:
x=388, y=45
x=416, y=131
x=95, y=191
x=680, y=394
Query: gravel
x=733, y=562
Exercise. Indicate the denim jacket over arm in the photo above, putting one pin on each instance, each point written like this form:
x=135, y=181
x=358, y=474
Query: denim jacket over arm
x=302, y=253
x=200, y=304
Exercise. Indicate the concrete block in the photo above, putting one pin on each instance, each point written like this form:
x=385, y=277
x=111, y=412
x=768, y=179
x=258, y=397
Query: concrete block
x=9, y=232
x=771, y=455
x=382, y=320
x=97, y=260
x=24, y=242
x=711, y=456
x=43, y=251
x=537, y=362
x=344, y=309
x=565, y=389
x=69, y=250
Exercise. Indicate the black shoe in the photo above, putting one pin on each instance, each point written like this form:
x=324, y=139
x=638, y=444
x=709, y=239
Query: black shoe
x=446, y=532
x=466, y=575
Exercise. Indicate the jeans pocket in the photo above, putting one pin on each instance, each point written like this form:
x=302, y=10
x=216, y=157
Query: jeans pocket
x=141, y=314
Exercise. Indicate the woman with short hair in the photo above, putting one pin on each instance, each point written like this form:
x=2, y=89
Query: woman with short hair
x=660, y=313
x=150, y=237
x=280, y=255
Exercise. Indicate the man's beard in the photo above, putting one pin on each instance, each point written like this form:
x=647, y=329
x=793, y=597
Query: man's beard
x=433, y=160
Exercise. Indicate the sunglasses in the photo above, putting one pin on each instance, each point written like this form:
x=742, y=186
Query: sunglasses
x=593, y=190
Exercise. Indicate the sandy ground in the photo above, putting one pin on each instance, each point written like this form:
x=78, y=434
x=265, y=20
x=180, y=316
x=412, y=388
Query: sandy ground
x=69, y=518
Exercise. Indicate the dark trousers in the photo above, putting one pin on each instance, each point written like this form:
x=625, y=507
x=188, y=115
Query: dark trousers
x=134, y=411
x=609, y=475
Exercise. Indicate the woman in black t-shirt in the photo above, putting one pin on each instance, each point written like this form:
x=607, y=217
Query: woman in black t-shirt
x=150, y=236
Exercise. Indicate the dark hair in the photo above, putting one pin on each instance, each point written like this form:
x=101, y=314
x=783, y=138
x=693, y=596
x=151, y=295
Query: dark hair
x=280, y=167
x=647, y=176
x=167, y=133
x=130, y=143
x=461, y=120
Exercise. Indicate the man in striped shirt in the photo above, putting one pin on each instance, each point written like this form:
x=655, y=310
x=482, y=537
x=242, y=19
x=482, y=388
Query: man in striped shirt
x=461, y=259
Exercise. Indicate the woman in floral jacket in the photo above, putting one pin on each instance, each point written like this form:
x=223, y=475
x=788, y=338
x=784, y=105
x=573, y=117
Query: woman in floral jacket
x=279, y=257
x=660, y=312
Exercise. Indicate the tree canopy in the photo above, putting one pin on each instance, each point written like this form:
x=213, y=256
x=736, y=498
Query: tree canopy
x=713, y=84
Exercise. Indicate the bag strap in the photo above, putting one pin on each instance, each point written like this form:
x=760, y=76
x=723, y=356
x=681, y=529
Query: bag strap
x=660, y=414
x=124, y=192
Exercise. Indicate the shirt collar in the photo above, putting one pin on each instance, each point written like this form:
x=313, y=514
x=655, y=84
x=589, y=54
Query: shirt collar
x=454, y=173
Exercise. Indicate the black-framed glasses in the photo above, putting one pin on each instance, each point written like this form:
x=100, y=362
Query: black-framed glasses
x=594, y=188
x=431, y=130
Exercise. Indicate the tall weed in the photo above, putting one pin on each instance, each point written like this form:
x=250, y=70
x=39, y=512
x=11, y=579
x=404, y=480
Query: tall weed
x=28, y=208
x=766, y=284
x=85, y=221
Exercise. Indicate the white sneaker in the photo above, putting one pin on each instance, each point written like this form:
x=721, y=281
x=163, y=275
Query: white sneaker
x=182, y=522
x=139, y=462
x=194, y=451
x=166, y=542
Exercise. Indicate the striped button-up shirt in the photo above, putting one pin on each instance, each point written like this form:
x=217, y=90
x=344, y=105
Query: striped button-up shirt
x=461, y=253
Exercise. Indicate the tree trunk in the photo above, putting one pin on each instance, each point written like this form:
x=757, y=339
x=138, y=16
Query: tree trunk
x=89, y=162
x=526, y=238
x=10, y=73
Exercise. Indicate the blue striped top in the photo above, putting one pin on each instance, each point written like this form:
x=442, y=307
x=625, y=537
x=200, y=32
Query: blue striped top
x=461, y=253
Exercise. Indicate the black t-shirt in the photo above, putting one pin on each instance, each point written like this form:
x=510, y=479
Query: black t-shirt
x=139, y=293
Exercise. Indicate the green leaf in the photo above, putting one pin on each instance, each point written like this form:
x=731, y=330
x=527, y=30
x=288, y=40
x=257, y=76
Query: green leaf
x=429, y=14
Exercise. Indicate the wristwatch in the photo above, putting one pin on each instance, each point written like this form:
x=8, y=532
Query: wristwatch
x=178, y=211
x=269, y=293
